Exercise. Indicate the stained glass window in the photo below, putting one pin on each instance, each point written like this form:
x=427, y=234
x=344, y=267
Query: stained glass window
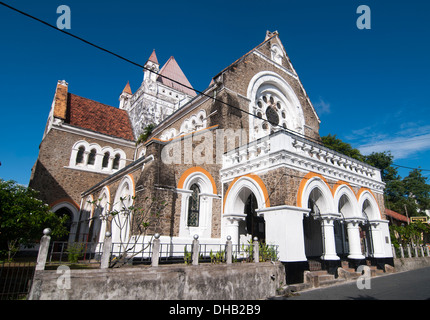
x=194, y=206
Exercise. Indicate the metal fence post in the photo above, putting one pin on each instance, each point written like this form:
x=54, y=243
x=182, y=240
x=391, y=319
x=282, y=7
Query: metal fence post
x=195, y=251
x=228, y=251
x=256, y=250
x=107, y=248
x=155, y=250
x=43, y=250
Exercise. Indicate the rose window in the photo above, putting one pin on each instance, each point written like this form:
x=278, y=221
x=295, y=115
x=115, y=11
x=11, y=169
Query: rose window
x=272, y=113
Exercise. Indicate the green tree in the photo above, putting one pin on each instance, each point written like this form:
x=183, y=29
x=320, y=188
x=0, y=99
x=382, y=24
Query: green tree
x=23, y=218
x=332, y=142
x=145, y=134
x=417, y=193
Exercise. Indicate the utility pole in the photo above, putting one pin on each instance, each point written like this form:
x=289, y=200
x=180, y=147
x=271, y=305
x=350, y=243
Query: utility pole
x=406, y=210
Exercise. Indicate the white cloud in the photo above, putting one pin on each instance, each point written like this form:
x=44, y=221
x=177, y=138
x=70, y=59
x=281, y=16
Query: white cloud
x=400, y=147
x=322, y=107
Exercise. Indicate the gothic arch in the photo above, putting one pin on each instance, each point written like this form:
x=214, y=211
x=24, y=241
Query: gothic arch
x=191, y=180
x=368, y=205
x=345, y=201
x=316, y=187
x=275, y=104
x=123, y=199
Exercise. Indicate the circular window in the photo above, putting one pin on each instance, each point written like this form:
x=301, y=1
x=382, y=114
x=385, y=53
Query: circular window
x=272, y=116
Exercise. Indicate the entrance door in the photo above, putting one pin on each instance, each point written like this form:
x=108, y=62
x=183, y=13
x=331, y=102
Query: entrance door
x=255, y=225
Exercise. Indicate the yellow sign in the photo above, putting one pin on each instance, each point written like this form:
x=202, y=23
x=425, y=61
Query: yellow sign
x=422, y=219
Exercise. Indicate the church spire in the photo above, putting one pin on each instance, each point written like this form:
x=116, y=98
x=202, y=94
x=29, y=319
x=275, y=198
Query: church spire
x=125, y=96
x=127, y=88
x=151, y=68
x=153, y=57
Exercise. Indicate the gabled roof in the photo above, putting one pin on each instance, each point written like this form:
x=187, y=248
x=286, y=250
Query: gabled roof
x=98, y=117
x=172, y=71
x=395, y=215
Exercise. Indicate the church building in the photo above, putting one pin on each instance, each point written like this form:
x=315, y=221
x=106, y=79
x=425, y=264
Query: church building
x=242, y=159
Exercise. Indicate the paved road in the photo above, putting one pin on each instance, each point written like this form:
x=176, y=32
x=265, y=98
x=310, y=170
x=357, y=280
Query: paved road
x=410, y=285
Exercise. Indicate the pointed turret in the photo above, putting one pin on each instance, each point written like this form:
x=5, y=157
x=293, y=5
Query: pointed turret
x=125, y=95
x=151, y=68
x=153, y=57
x=127, y=88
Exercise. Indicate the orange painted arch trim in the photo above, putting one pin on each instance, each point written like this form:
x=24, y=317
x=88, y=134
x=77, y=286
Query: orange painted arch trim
x=303, y=183
x=192, y=170
x=258, y=180
x=340, y=183
x=68, y=200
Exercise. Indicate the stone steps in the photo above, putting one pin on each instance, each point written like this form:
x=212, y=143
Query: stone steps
x=321, y=278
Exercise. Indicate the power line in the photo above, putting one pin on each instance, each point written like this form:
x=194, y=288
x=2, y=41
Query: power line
x=143, y=67
x=163, y=76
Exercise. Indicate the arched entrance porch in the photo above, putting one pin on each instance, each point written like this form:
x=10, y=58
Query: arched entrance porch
x=241, y=221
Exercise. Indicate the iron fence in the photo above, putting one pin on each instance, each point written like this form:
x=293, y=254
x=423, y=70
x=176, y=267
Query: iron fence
x=182, y=253
x=68, y=253
x=15, y=279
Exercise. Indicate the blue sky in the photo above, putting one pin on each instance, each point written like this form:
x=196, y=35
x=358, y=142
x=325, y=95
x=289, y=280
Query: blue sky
x=370, y=87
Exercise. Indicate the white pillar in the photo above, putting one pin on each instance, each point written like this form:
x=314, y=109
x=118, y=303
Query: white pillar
x=378, y=239
x=327, y=222
x=353, y=229
x=232, y=226
x=284, y=228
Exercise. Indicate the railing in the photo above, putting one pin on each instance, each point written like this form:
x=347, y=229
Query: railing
x=73, y=253
x=410, y=251
x=108, y=254
x=15, y=279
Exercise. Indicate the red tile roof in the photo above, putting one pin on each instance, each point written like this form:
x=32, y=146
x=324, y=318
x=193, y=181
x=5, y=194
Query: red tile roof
x=396, y=215
x=95, y=116
x=172, y=71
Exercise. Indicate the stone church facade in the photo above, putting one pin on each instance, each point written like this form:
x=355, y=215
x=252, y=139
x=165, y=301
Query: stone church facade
x=241, y=159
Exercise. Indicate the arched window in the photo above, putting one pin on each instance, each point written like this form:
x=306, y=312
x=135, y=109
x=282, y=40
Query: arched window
x=92, y=157
x=115, y=164
x=105, y=162
x=194, y=206
x=80, y=155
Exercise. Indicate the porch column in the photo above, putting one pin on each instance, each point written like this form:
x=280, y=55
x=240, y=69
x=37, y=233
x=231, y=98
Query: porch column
x=380, y=238
x=327, y=223
x=232, y=226
x=284, y=227
x=353, y=229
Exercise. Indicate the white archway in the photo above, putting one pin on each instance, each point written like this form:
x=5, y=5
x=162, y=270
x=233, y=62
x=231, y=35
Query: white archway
x=120, y=223
x=206, y=194
x=74, y=212
x=234, y=209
